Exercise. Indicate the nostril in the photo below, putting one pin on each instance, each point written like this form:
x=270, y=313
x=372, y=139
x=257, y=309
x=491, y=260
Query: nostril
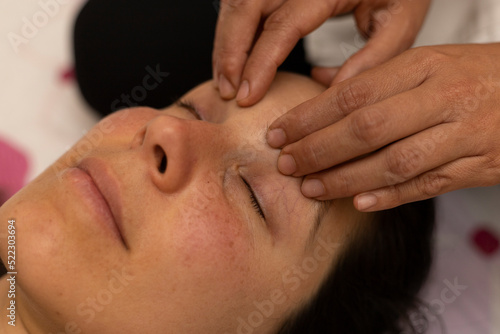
x=161, y=159
x=163, y=164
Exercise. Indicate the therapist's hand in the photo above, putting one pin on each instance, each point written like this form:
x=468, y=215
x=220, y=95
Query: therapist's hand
x=422, y=124
x=254, y=37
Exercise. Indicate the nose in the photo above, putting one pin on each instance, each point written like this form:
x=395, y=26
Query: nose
x=169, y=146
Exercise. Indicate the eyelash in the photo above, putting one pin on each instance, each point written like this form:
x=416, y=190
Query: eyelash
x=189, y=105
x=254, y=201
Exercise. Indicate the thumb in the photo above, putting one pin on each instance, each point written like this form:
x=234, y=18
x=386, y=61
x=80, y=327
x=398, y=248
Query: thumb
x=324, y=75
x=374, y=53
x=388, y=38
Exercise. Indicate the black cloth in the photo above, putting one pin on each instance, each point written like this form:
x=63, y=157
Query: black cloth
x=148, y=52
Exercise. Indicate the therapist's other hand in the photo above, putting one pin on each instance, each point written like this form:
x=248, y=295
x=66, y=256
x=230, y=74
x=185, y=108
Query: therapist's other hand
x=254, y=37
x=424, y=123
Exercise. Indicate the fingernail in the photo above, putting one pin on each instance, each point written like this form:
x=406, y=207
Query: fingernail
x=225, y=88
x=276, y=138
x=366, y=202
x=244, y=91
x=313, y=188
x=286, y=164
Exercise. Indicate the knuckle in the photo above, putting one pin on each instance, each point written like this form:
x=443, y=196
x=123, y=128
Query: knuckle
x=352, y=97
x=461, y=95
x=429, y=60
x=398, y=194
x=369, y=127
x=343, y=182
x=430, y=57
x=491, y=166
x=460, y=87
x=404, y=163
x=280, y=21
x=432, y=184
x=436, y=57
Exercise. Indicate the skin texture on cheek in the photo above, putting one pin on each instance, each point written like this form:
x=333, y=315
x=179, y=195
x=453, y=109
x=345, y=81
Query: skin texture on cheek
x=205, y=269
x=210, y=236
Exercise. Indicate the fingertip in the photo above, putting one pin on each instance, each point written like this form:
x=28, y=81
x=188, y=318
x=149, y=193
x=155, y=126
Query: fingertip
x=244, y=91
x=247, y=95
x=276, y=138
x=313, y=188
x=246, y=103
x=258, y=75
x=226, y=88
x=377, y=50
x=324, y=75
x=366, y=202
x=287, y=165
x=344, y=74
x=362, y=60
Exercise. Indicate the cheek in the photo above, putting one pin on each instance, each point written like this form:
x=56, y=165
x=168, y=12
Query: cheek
x=210, y=247
x=205, y=261
x=210, y=237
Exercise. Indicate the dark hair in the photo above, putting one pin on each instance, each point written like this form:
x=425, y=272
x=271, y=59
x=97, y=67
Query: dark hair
x=374, y=285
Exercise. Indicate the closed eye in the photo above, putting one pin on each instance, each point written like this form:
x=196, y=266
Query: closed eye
x=253, y=199
x=189, y=106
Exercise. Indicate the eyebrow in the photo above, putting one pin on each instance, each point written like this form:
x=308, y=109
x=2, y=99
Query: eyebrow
x=321, y=211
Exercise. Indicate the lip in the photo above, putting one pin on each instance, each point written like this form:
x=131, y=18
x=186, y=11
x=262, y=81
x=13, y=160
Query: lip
x=102, y=194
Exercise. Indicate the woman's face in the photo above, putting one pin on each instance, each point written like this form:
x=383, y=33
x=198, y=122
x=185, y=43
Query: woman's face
x=148, y=225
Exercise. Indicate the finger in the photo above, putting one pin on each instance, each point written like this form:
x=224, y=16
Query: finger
x=378, y=50
x=363, y=131
x=236, y=27
x=392, y=30
x=281, y=31
x=395, y=164
x=400, y=74
x=324, y=75
x=458, y=174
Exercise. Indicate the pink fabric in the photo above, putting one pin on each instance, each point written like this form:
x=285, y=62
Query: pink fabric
x=13, y=170
x=486, y=241
x=67, y=75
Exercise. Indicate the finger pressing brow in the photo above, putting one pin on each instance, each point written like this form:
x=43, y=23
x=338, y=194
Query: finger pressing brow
x=398, y=75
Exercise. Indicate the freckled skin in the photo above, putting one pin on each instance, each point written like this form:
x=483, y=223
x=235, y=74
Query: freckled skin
x=199, y=255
